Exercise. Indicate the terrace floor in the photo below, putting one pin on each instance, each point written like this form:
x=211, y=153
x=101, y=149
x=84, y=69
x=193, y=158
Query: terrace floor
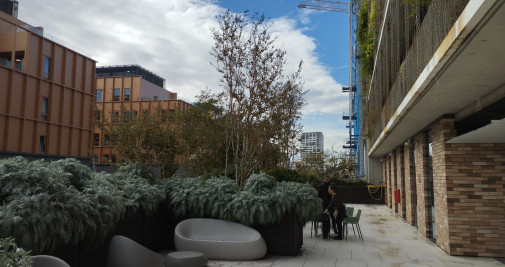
x=388, y=241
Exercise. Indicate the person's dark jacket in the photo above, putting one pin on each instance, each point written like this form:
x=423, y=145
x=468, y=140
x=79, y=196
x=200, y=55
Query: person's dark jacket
x=338, y=205
x=322, y=192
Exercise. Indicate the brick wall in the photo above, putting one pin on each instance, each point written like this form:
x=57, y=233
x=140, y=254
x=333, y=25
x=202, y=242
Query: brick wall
x=394, y=181
x=386, y=180
x=410, y=185
x=423, y=194
x=442, y=131
x=400, y=180
x=475, y=197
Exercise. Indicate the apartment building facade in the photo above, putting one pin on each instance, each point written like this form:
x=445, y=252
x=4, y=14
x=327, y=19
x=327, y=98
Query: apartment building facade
x=130, y=92
x=46, y=94
x=311, y=143
x=436, y=119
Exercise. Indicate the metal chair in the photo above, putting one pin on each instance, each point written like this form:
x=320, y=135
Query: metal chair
x=352, y=221
x=315, y=224
x=349, y=211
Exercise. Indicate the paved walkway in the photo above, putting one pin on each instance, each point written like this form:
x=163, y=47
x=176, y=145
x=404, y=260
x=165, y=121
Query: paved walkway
x=388, y=241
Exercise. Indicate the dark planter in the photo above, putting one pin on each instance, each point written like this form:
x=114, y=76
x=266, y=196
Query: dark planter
x=154, y=232
x=360, y=195
x=284, y=238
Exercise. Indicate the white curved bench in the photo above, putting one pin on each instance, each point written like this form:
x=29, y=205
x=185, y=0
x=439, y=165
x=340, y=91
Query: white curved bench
x=219, y=239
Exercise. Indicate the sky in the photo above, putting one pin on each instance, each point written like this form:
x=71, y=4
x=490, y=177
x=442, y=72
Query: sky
x=172, y=38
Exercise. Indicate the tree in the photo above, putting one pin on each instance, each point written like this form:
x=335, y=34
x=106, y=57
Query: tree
x=147, y=139
x=331, y=163
x=312, y=163
x=262, y=103
x=200, y=133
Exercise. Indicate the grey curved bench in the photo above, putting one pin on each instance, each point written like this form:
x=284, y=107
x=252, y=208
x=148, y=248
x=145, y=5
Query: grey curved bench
x=219, y=239
x=48, y=261
x=185, y=259
x=124, y=252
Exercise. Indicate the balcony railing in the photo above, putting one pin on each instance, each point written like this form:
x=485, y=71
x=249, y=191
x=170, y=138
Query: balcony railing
x=406, y=40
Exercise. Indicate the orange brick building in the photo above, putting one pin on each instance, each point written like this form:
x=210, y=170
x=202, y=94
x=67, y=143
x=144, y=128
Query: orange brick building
x=132, y=91
x=46, y=94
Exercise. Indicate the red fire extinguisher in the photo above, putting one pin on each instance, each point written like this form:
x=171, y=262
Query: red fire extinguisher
x=397, y=195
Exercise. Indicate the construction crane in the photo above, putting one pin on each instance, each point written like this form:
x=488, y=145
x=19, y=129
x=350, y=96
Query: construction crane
x=353, y=143
x=325, y=5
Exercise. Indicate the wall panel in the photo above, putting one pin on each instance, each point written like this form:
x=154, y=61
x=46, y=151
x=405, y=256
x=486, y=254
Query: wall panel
x=28, y=137
x=4, y=89
x=58, y=64
x=3, y=134
x=34, y=57
x=69, y=69
x=16, y=94
x=67, y=98
x=14, y=134
x=31, y=98
x=79, y=73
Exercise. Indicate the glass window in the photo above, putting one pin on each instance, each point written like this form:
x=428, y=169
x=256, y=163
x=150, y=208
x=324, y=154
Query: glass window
x=5, y=59
x=106, y=140
x=95, y=159
x=115, y=116
x=99, y=95
x=19, y=60
x=47, y=67
x=116, y=94
x=45, y=104
x=98, y=115
x=106, y=158
x=42, y=144
x=127, y=116
x=126, y=94
x=96, y=139
x=145, y=112
x=134, y=115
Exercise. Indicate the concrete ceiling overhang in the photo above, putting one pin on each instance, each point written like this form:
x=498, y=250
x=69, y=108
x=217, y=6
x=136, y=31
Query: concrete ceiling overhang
x=469, y=66
x=491, y=134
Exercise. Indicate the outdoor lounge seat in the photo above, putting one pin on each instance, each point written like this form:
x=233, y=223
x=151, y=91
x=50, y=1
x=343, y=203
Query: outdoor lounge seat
x=352, y=220
x=185, y=259
x=124, y=252
x=48, y=261
x=219, y=239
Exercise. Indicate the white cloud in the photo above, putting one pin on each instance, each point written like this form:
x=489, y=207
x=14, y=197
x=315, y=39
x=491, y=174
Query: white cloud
x=173, y=39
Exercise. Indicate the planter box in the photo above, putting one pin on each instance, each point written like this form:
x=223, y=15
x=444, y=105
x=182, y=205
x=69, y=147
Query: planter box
x=156, y=232
x=284, y=238
x=360, y=195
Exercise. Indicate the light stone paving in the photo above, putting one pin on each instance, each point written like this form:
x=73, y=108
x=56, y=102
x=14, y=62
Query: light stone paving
x=388, y=241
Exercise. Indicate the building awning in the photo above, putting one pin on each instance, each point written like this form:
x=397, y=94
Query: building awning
x=491, y=133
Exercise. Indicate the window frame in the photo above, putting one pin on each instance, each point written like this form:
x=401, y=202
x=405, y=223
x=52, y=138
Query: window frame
x=127, y=97
x=99, y=96
x=46, y=69
x=42, y=144
x=44, y=109
x=116, y=97
x=96, y=141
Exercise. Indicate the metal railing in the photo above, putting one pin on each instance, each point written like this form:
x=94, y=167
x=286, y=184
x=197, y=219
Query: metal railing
x=410, y=36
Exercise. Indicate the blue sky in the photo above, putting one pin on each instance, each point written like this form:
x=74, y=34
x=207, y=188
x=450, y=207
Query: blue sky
x=172, y=39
